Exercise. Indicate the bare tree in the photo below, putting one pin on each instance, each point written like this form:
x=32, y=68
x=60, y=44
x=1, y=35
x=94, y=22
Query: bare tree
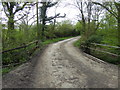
x=43, y=15
x=115, y=13
x=10, y=9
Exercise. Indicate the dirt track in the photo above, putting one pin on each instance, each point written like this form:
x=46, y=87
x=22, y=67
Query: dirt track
x=62, y=65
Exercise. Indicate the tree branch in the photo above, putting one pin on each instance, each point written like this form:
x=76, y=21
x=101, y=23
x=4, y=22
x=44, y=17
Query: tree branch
x=111, y=12
x=21, y=8
x=5, y=10
x=20, y=18
x=56, y=16
x=51, y=4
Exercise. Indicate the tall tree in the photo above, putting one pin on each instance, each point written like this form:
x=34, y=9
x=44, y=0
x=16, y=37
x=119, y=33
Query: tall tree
x=115, y=13
x=38, y=32
x=80, y=5
x=87, y=14
x=10, y=9
x=43, y=15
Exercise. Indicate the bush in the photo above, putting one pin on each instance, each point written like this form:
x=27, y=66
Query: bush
x=94, y=39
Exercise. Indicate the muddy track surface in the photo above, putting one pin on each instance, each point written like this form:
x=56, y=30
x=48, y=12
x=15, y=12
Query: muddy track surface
x=61, y=65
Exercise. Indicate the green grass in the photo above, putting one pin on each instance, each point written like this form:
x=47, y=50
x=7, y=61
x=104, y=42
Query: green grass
x=102, y=56
x=43, y=44
x=77, y=43
x=8, y=69
x=105, y=57
x=54, y=40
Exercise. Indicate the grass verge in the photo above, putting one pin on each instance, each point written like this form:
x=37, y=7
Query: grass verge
x=77, y=43
x=54, y=40
x=102, y=56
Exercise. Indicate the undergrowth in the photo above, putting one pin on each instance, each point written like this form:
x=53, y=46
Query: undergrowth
x=23, y=58
x=102, y=56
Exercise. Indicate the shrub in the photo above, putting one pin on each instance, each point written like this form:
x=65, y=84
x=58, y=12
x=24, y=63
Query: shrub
x=94, y=39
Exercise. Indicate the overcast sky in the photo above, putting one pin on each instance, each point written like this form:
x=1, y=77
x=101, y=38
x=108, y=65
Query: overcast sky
x=62, y=8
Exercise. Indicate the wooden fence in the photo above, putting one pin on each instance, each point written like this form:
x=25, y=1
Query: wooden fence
x=94, y=45
x=26, y=52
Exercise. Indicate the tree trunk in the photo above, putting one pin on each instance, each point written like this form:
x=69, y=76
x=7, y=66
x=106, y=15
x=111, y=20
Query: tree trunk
x=43, y=28
x=11, y=22
x=54, y=24
x=38, y=30
x=11, y=28
x=118, y=20
x=119, y=27
x=119, y=33
x=43, y=17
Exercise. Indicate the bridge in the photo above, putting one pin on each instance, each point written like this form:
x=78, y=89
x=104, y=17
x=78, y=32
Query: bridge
x=61, y=65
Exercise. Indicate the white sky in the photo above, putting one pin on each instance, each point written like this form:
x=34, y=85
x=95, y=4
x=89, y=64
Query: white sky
x=70, y=11
x=62, y=8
